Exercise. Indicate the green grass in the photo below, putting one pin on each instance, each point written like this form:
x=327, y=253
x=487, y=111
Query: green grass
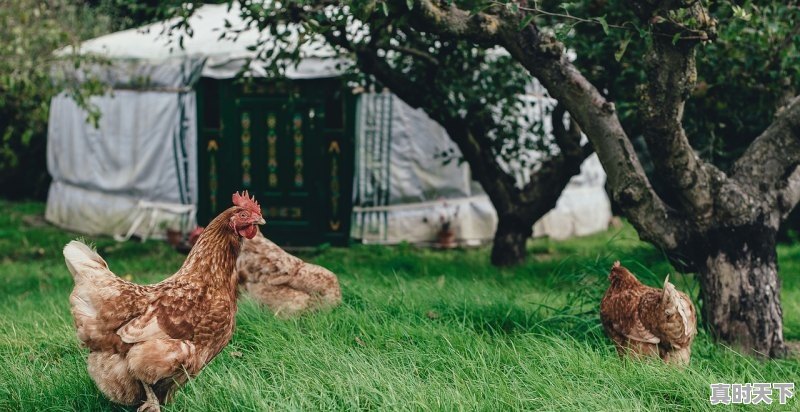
x=418, y=330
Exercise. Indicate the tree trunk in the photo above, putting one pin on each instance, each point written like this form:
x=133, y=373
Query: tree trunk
x=510, y=239
x=741, y=290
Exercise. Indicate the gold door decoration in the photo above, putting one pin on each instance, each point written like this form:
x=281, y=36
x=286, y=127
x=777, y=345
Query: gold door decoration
x=298, y=150
x=335, y=152
x=272, y=151
x=286, y=212
x=213, y=183
x=247, y=178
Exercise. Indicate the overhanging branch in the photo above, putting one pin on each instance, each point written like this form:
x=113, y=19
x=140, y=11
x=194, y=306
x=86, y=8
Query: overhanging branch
x=769, y=166
x=545, y=59
x=480, y=27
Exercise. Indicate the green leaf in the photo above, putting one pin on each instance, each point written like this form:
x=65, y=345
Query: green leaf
x=622, y=47
x=524, y=23
x=604, y=23
x=410, y=4
x=675, y=38
x=741, y=13
x=385, y=9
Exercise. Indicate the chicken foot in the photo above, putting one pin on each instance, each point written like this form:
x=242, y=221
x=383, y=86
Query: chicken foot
x=151, y=404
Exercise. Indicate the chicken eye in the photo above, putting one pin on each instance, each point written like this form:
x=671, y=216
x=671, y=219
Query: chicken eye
x=243, y=214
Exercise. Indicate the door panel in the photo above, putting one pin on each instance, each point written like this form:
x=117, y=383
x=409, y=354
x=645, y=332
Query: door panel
x=278, y=139
x=290, y=144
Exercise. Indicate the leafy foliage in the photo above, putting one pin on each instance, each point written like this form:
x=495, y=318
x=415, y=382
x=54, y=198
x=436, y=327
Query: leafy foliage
x=743, y=76
x=30, y=31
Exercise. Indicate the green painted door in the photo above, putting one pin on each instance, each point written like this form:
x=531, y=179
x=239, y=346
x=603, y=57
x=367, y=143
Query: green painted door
x=278, y=139
x=282, y=148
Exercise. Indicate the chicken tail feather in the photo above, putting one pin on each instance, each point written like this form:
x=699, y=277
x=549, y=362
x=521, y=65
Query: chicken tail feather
x=675, y=303
x=82, y=259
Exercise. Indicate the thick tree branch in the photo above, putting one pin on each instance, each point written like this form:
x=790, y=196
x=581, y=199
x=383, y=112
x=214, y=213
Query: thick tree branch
x=769, y=166
x=671, y=76
x=597, y=117
x=479, y=27
x=545, y=59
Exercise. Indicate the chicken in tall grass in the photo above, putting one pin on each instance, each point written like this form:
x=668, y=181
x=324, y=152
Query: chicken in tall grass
x=285, y=283
x=146, y=340
x=645, y=321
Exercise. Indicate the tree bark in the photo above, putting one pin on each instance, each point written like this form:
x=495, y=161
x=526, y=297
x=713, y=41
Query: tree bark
x=741, y=289
x=511, y=238
x=723, y=225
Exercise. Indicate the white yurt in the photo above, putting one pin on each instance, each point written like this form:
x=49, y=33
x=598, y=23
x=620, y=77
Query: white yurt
x=180, y=131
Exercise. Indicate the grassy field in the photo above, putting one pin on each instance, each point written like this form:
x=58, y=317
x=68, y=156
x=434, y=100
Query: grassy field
x=418, y=330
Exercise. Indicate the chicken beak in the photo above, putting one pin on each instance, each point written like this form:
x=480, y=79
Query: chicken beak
x=261, y=221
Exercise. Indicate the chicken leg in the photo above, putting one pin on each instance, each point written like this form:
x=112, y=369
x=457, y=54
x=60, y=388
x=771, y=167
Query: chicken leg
x=151, y=404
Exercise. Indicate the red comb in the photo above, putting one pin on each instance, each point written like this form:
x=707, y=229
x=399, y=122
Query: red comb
x=246, y=202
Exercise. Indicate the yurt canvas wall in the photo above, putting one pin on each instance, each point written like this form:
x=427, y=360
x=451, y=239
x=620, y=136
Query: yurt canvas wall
x=147, y=148
x=143, y=149
x=403, y=191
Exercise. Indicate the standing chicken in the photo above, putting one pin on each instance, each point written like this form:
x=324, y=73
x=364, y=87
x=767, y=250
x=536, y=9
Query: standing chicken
x=285, y=283
x=146, y=340
x=647, y=321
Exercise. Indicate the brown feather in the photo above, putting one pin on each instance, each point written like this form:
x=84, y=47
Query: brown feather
x=156, y=334
x=283, y=282
x=645, y=321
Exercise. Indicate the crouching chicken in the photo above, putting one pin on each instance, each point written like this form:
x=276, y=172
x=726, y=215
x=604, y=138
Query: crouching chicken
x=145, y=341
x=283, y=282
x=645, y=321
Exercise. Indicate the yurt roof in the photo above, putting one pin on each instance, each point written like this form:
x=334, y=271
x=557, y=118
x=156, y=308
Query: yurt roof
x=211, y=41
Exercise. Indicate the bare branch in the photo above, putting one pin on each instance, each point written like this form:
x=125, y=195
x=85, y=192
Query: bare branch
x=568, y=140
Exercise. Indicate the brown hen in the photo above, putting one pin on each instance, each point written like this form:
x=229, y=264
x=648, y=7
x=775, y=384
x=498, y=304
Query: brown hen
x=146, y=340
x=283, y=282
x=644, y=321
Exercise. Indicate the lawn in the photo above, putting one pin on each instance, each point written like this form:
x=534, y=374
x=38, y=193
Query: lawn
x=418, y=330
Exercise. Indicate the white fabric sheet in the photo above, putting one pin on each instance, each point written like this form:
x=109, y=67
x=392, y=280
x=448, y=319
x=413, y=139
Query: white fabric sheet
x=422, y=189
x=100, y=174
